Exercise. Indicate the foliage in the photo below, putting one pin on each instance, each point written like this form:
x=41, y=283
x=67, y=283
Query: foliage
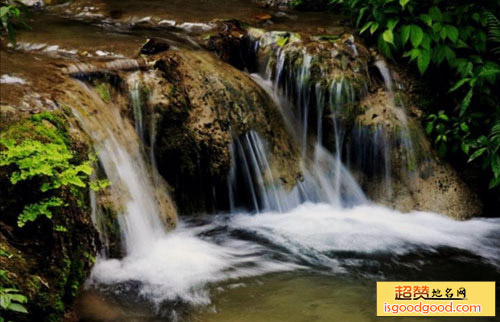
x=45, y=155
x=11, y=12
x=493, y=31
x=456, y=43
x=12, y=300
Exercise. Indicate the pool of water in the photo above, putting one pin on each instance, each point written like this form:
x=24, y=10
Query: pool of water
x=314, y=263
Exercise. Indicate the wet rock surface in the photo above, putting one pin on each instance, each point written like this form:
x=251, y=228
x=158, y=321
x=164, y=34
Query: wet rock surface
x=210, y=102
x=311, y=70
x=154, y=46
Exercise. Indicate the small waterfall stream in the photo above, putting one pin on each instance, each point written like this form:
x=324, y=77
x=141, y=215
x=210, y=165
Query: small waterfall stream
x=145, y=206
x=323, y=225
x=306, y=244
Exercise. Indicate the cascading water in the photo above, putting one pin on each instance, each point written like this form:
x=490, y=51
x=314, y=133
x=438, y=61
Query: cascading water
x=320, y=103
x=323, y=223
x=136, y=100
x=303, y=247
x=120, y=154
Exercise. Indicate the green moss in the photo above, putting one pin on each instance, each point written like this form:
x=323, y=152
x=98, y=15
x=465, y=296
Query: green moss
x=44, y=127
x=38, y=151
x=46, y=265
x=104, y=91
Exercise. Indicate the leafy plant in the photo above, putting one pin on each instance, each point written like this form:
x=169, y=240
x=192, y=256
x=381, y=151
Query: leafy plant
x=48, y=157
x=11, y=12
x=493, y=31
x=12, y=300
x=459, y=42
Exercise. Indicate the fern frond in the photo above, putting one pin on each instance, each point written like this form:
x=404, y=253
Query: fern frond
x=493, y=31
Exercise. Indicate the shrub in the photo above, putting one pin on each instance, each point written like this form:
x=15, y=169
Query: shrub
x=11, y=12
x=39, y=148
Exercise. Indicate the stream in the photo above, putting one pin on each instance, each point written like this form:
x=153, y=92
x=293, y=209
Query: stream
x=310, y=253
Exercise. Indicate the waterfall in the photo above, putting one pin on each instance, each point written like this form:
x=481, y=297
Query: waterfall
x=325, y=178
x=137, y=104
x=319, y=104
x=141, y=203
x=323, y=221
x=167, y=265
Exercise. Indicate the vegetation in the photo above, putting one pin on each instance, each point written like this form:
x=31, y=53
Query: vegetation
x=44, y=155
x=11, y=14
x=10, y=298
x=455, y=46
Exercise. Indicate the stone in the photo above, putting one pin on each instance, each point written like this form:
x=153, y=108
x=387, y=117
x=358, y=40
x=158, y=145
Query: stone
x=154, y=46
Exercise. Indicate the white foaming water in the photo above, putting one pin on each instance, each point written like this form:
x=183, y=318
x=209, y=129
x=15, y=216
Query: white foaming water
x=372, y=228
x=179, y=266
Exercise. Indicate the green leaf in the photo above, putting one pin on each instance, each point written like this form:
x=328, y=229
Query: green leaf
x=464, y=127
x=423, y=60
x=465, y=148
x=403, y=3
x=60, y=228
x=417, y=35
x=449, y=54
x=435, y=14
x=405, y=34
x=443, y=33
x=384, y=47
x=494, y=182
x=17, y=308
x=426, y=19
x=426, y=42
x=414, y=53
x=477, y=154
x=360, y=15
x=429, y=127
x=452, y=33
x=443, y=117
x=99, y=184
x=436, y=27
x=19, y=298
x=4, y=301
x=374, y=27
x=365, y=27
x=459, y=84
x=282, y=41
x=391, y=23
x=466, y=101
x=388, y=36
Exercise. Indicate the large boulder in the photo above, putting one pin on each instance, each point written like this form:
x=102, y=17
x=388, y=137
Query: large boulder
x=414, y=177
x=355, y=94
x=201, y=104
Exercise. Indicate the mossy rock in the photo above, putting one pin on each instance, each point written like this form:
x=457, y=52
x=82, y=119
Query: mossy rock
x=46, y=264
x=202, y=105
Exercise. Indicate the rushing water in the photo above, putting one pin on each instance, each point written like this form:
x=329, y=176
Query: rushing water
x=309, y=254
x=312, y=252
x=322, y=258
